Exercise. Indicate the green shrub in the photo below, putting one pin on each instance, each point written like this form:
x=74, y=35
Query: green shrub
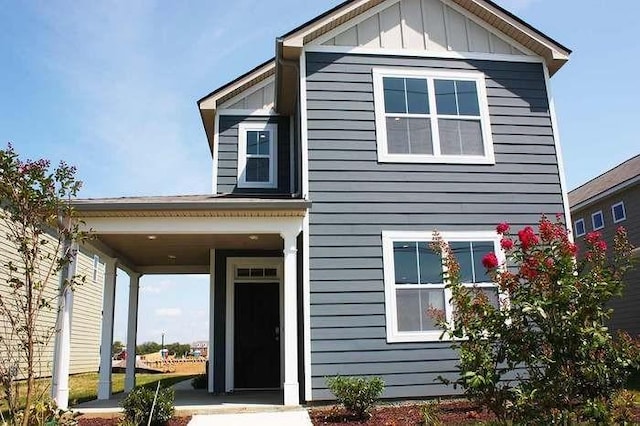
x=550, y=330
x=200, y=382
x=46, y=412
x=137, y=406
x=357, y=394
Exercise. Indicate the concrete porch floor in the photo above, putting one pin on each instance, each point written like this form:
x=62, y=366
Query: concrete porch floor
x=192, y=401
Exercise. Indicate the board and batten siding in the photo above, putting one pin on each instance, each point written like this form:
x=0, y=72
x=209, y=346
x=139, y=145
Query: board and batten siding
x=86, y=315
x=355, y=198
x=228, y=154
x=422, y=25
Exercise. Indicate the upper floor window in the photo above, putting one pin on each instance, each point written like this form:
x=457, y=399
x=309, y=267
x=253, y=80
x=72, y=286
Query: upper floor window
x=414, y=284
x=429, y=116
x=618, y=212
x=597, y=220
x=257, y=160
x=579, y=228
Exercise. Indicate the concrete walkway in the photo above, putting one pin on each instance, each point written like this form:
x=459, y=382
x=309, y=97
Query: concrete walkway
x=284, y=418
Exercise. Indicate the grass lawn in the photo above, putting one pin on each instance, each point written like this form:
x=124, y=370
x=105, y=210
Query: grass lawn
x=84, y=387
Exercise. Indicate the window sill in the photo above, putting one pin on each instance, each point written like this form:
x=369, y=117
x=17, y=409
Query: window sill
x=243, y=185
x=432, y=336
x=429, y=159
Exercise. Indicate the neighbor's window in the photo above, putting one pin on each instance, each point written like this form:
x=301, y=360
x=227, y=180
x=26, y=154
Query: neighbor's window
x=414, y=284
x=578, y=227
x=432, y=116
x=618, y=212
x=597, y=220
x=257, y=155
x=96, y=266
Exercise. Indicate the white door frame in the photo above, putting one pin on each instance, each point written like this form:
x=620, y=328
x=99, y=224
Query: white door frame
x=232, y=264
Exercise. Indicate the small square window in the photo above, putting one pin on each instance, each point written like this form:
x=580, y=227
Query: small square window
x=257, y=165
x=432, y=116
x=618, y=212
x=579, y=228
x=597, y=220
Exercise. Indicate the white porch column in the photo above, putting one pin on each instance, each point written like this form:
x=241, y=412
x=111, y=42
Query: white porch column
x=212, y=287
x=108, y=302
x=62, y=354
x=291, y=396
x=132, y=332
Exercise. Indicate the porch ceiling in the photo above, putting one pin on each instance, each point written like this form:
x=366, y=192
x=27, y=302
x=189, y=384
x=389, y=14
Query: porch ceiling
x=175, y=250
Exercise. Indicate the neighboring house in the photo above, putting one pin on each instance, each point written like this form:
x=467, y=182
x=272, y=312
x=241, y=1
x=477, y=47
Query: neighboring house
x=603, y=204
x=376, y=123
x=85, y=328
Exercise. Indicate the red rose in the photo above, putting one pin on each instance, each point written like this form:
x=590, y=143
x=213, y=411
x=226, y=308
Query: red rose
x=573, y=248
x=601, y=245
x=502, y=228
x=490, y=261
x=506, y=244
x=527, y=237
x=549, y=262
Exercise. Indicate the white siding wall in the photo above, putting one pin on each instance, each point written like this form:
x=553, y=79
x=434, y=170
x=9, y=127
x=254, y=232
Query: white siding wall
x=87, y=315
x=422, y=25
x=85, y=335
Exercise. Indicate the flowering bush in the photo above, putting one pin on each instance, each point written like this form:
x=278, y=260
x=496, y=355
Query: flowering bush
x=545, y=353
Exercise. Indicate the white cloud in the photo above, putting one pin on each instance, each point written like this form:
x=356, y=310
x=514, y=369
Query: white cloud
x=169, y=312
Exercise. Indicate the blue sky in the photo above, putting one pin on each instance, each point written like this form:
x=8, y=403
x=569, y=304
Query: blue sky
x=112, y=86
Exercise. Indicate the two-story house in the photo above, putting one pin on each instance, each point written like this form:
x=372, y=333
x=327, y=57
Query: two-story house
x=603, y=204
x=376, y=123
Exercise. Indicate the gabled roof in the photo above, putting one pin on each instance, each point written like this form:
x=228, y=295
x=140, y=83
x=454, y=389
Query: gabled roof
x=554, y=53
x=610, y=181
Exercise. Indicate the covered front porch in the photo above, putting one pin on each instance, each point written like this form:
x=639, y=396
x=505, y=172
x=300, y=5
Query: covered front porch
x=249, y=247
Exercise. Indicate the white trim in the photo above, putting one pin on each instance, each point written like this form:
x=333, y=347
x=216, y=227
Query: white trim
x=624, y=212
x=214, y=154
x=388, y=238
x=132, y=332
x=430, y=75
x=249, y=91
x=212, y=317
x=558, y=148
x=489, y=28
x=232, y=263
x=575, y=226
x=593, y=221
x=351, y=23
x=304, y=141
x=441, y=54
x=106, y=339
x=245, y=127
x=306, y=300
x=210, y=102
x=249, y=112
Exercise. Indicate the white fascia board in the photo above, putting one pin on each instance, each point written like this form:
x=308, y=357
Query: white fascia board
x=297, y=39
x=212, y=101
x=556, y=140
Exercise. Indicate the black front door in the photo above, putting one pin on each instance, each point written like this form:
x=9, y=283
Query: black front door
x=257, y=336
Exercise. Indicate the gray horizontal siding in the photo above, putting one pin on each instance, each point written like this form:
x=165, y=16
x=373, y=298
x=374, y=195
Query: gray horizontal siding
x=228, y=154
x=355, y=198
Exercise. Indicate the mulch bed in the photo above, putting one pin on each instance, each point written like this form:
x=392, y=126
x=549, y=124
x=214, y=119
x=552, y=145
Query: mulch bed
x=113, y=421
x=404, y=414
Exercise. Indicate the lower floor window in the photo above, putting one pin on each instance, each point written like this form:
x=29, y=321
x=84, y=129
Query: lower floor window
x=414, y=286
